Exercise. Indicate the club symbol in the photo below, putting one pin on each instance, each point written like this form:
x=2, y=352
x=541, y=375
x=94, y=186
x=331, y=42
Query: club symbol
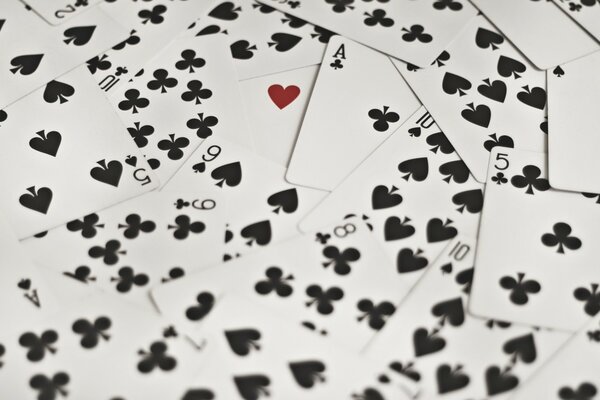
x=323, y=298
x=82, y=274
x=92, y=332
x=406, y=369
x=337, y=64
x=205, y=301
x=189, y=61
x=38, y=345
x=50, y=388
x=383, y=118
x=585, y=391
x=109, y=253
x=88, y=225
x=416, y=32
x=203, y=125
x=133, y=101
x=134, y=225
x=322, y=238
x=128, y=278
x=339, y=6
x=138, y=134
x=174, y=273
x=590, y=297
x=499, y=178
x=131, y=40
x=154, y=16
x=184, y=226
x=530, y=180
x=196, y=92
x=520, y=288
x=562, y=238
x=375, y=314
x=276, y=281
x=162, y=81
x=173, y=146
x=98, y=63
x=378, y=17
x=450, y=4
x=156, y=357
x=340, y=260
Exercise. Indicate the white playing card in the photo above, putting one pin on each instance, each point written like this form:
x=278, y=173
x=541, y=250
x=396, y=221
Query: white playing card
x=56, y=12
x=483, y=94
x=276, y=104
x=263, y=40
x=34, y=52
x=536, y=255
x=540, y=30
x=415, y=193
x=359, y=99
x=187, y=93
x=572, y=137
x=56, y=167
x=584, y=12
x=572, y=373
x=414, y=31
x=448, y=353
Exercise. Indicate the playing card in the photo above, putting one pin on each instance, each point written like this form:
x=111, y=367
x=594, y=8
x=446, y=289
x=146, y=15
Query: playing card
x=186, y=94
x=535, y=258
x=540, y=30
x=56, y=12
x=359, y=99
x=415, y=31
x=571, y=373
x=259, y=356
x=55, y=167
x=34, y=52
x=414, y=192
x=572, y=91
x=483, y=94
x=277, y=104
x=263, y=40
x=584, y=12
x=450, y=354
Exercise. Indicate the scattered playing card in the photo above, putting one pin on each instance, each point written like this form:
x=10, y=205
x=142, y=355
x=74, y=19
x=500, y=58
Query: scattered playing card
x=584, y=12
x=58, y=11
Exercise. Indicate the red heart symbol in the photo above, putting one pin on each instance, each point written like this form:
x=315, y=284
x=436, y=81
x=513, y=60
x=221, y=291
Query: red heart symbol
x=283, y=97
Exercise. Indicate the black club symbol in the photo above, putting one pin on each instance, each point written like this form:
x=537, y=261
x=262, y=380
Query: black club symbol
x=196, y=92
x=337, y=64
x=340, y=6
x=138, y=134
x=134, y=225
x=92, y=332
x=530, y=180
x=383, y=118
x=499, y=178
x=450, y=4
x=162, y=81
x=87, y=225
x=340, y=260
x=378, y=17
x=322, y=238
x=174, y=273
x=574, y=7
x=562, y=238
x=133, y=101
x=38, y=345
x=203, y=125
x=323, y=298
x=183, y=226
x=585, y=391
x=154, y=16
x=590, y=297
x=275, y=282
x=109, y=253
x=189, y=61
x=50, y=388
x=128, y=278
x=98, y=63
x=173, y=146
x=520, y=288
x=416, y=32
x=376, y=314
x=205, y=301
x=156, y=357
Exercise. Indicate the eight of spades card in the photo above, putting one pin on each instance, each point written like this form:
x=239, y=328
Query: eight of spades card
x=543, y=272
x=413, y=191
x=187, y=93
x=67, y=167
x=359, y=99
x=432, y=340
x=262, y=39
x=414, y=31
x=483, y=94
x=585, y=12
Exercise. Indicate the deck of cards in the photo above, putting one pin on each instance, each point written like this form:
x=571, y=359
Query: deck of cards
x=299, y=199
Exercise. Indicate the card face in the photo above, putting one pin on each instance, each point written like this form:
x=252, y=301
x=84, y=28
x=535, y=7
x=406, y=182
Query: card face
x=34, y=52
x=572, y=137
x=359, y=99
x=415, y=31
x=56, y=12
x=541, y=273
x=56, y=167
x=585, y=13
x=259, y=356
x=277, y=104
x=262, y=39
x=186, y=94
x=571, y=373
x=526, y=24
x=447, y=352
x=483, y=94
x=340, y=282
x=414, y=192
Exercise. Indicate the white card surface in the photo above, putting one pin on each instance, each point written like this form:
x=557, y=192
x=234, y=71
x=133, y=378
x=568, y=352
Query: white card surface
x=56, y=12
x=585, y=13
x=359, y=99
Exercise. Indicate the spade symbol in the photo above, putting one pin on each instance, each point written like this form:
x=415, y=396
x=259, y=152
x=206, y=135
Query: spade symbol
x=226, y=11
x=453, y=84
x=242, y=341
x=252, y=387
x=472, y=200
x=284, y=41
x=508, y=67
x=47, y=143
x=409, y=261
x=495, y=90
x=417, y=168
x=37, y=200
x=534, y=97
x=242, y=50
x=558, y=71
x=108, y=173
x=27, y=64
x=56, y=90
x=229, y=174
x=425, y=343
x=307, y=373
x=450, y=379
x=382, y=197
x=79, y=35
x=485, y=39
x=498, y=381
x=438, y=230
x=259, y=232
x=451, y=311
x=286, y=200
x=479, y=115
